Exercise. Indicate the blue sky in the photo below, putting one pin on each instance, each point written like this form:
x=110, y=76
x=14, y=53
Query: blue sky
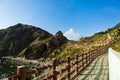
x=75, y=18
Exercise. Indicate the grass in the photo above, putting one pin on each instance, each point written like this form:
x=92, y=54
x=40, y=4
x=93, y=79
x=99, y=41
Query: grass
x=116, y=46
x=7, y=69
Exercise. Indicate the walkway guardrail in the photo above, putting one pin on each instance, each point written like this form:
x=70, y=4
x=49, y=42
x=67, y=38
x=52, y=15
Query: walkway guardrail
x=61, y=69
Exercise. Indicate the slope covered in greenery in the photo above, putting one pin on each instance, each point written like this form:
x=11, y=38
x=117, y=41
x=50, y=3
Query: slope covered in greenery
x=28, y=41
x=115, y=34
x=71, y=48
x=31, y=42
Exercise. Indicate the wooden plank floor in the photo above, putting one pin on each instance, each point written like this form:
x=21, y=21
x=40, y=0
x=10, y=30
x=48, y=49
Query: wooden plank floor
x=97, y=70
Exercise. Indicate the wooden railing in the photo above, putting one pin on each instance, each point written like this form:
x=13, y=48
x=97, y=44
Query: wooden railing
x=62, y=69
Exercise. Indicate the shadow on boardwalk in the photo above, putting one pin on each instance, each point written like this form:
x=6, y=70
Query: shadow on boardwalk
x=97, y=70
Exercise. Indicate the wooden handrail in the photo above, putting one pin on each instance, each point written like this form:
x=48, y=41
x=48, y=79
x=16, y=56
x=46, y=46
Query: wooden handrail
x=79, y=63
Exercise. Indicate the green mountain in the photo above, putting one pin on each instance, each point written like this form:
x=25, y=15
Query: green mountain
x=28, y=41
x=115, y=37
x=31, y=42
x=97, y=40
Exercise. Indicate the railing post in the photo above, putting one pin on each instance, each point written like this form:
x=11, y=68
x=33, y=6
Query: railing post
x=98, y=51
x=89, y=57
x=82, y=60
x=95, y=53
x=101, y=51
x=86, y=58
x=21, y=72
x=76, y=62
x=68, y=68
x=92, y=55
x=54, y=69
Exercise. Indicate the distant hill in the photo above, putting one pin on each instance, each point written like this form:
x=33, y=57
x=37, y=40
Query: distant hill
x=31, y=42
x=28, y=41
x=115, y=36
x=97, y=40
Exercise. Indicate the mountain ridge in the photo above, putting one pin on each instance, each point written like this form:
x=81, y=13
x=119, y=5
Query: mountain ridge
x=30, y=42
x=17, y=39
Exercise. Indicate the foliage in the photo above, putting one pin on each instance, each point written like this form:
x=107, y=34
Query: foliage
x=116, y=46
x=32, y=43
x=16, y=38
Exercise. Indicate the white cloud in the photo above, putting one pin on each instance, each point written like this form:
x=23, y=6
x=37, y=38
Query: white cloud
x=72, y=35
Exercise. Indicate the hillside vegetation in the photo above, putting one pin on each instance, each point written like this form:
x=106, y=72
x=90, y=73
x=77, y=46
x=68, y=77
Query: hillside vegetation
x=110, y=36
x=31, y=42
x=28, y=41
x=115, y=34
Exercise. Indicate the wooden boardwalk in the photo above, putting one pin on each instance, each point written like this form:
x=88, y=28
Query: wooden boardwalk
x=97, y=70
x=93, y=65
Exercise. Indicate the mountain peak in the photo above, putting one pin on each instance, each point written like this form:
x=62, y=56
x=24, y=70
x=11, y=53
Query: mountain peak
x=29, y=41
x=59, y=33
x=23, y=25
